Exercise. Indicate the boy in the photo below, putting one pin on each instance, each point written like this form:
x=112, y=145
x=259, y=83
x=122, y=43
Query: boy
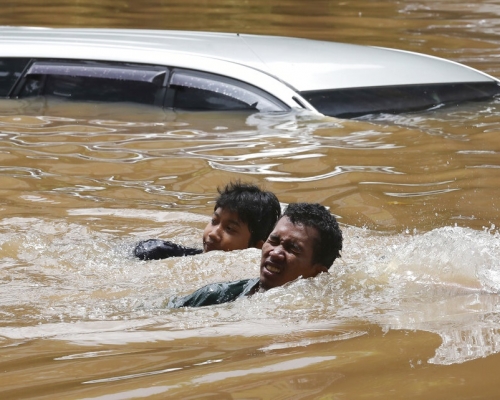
x=243, y=217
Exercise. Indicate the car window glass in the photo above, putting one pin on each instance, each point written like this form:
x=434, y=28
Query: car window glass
x=190, y=90
x=89, y=82
x=99, y=89
x=10, y=71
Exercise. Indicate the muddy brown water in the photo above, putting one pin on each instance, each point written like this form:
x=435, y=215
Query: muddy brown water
x=410, y=311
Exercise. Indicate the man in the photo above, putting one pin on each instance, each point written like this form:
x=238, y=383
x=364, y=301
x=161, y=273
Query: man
x=305, y=242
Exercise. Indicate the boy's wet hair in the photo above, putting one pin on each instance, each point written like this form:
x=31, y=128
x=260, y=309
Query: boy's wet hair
x=329, y=245
x=259, y=209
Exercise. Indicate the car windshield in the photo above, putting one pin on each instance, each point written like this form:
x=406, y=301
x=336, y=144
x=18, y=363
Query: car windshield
x=354, y=102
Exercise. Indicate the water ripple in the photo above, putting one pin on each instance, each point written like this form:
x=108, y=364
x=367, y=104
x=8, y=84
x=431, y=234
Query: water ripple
x=338, y=171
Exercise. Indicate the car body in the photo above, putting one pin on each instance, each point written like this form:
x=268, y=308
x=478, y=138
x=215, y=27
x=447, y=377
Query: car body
x=224, y=71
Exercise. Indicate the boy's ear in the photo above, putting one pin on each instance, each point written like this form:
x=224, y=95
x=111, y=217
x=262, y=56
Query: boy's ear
x=259, y=244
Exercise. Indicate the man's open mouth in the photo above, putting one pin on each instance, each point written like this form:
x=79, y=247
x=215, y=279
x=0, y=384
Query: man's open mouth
x=272, y=269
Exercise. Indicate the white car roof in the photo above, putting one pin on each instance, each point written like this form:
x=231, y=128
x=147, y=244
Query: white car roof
x=301, y=64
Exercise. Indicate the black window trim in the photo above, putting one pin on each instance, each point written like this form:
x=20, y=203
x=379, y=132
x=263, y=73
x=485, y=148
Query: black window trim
x=132, y=73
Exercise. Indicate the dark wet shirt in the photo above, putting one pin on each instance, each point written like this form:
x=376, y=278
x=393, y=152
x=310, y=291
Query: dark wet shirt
x=156, y=249
x=215, y=293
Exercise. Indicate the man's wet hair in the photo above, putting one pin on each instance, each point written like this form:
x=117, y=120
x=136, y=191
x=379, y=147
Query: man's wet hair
x=257, y=208
x=329, y=245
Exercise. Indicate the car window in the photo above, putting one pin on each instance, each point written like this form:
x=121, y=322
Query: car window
x=10, y=71
x=95, y=82
x=353, y=102
x=198, y=91
x=90, y=89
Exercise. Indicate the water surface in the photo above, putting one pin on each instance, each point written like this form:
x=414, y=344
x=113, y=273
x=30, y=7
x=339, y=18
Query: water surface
x=410, y=311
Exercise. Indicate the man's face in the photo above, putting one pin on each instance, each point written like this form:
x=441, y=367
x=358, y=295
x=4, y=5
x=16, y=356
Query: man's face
x=288, y=254
x=225, y=232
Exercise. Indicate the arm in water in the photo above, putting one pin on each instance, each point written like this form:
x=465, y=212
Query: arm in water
x=156, y=249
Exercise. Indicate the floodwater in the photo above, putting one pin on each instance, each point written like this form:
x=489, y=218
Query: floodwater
x=410, y=311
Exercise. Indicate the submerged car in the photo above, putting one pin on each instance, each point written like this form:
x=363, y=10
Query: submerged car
x=223, y=71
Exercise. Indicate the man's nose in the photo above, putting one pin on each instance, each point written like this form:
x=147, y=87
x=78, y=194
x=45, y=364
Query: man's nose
x=277, y=251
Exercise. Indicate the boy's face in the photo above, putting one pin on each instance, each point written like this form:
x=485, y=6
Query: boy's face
x=225, y=232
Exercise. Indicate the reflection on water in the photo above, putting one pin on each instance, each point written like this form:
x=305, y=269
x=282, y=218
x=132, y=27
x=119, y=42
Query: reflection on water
x=411, y=309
